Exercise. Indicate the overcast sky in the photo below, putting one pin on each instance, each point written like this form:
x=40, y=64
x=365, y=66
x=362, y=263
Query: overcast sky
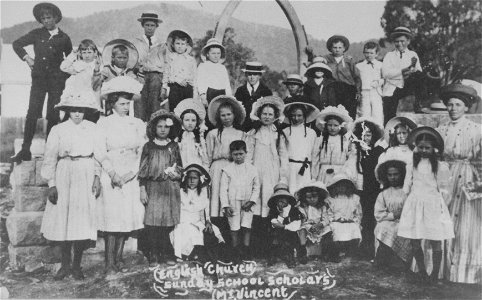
x=358, y=20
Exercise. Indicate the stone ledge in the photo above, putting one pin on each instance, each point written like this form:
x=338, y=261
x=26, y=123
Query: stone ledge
x=30, y=198
x=28, y=173
x=24, y=228
x=20, y=256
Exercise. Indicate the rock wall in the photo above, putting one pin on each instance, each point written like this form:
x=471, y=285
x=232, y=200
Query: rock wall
x=27, y=245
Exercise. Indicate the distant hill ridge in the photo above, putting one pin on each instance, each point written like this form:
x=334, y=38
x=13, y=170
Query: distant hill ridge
x=273, y=46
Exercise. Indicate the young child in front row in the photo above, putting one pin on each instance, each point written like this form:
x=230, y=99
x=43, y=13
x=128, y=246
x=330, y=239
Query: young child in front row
x=425, y=214
x=315, y=226
x=370, y=71
x=180, y=70
x=193, y=235
x=159, y=178
x=388, y=208
x=239, y=192
x=285, y=222
x=346, y=213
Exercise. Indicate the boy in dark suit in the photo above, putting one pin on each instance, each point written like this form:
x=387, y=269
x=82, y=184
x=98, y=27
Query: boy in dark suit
x=50, y=45
x=252, y=90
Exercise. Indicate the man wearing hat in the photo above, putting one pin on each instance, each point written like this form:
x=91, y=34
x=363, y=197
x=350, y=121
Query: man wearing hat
x=402, y=72
x=151, y=65
x=251, y=91
x=50, y=45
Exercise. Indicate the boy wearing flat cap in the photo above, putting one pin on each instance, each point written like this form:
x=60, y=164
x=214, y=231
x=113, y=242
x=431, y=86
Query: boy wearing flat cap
x=402, y=72
x=50, y=46
x=251, y=91
x=151, y=66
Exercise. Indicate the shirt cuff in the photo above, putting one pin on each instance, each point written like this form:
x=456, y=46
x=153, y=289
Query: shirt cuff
x=51, y=183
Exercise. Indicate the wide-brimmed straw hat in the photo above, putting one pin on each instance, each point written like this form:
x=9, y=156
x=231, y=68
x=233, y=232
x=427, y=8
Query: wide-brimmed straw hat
x=239, y=110
x=319, y=63
x=213, y=42
x=435, y=108
x=399, y=31
x=178, y=33
x=317, y=185
x=394, y=122
x=203, y=174
x=337, y=178
x=281, y=190
x=311, y=111
x=293, y=79
x=84, y=99
x=162, y=113
x=191, y=103
x=465, y=93
x=121, y=84
x=107, y=52
x=332, y=39
x=37, y=9
x=253, y=67
x=339, y=111
x=150, y=16
x=378, y=127
x=381, y=168
x=274, y=100
x=414, y=134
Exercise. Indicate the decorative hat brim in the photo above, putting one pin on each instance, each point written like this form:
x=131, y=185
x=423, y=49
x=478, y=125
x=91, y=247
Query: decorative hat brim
x=162, y=113
x=281, y=194
x=121, y=84
x=381, y=166
x=193, y=104
x=318, y=185
x=412, y=137
x=239, y=110
x=276, y=101
x=107, y=52
x=392, y=123
x=319, y=65
x=200, y=169
x=180, y=33
x=293, y=81
x=206, y=48
x=311, y=113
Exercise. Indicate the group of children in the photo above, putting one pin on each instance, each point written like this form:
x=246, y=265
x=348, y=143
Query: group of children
x=301, y=173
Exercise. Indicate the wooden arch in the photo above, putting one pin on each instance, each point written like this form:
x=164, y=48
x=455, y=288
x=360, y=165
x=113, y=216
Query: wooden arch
x=296, y=26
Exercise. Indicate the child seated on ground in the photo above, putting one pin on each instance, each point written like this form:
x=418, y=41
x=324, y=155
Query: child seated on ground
x=345, y=212
x=315, y=226
x=189, y=238
x=239, y=192
x=388, y=208
x=285, y=222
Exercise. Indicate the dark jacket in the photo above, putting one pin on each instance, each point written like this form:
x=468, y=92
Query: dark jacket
x=242, y=94
x=49, y=52
x=328, y=93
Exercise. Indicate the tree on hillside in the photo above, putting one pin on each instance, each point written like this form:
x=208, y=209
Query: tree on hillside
x=236, y=57
x=447, y=35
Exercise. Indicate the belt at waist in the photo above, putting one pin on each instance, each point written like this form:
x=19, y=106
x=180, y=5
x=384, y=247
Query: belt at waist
x=152, y=72
x=465, y=161
x=305, y=164
x=74, y=158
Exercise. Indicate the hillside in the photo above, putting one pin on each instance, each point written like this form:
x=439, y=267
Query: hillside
x=274, y=46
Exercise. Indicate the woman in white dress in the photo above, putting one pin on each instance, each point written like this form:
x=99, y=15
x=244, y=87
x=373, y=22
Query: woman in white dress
x=71, y=166
x=120, y=210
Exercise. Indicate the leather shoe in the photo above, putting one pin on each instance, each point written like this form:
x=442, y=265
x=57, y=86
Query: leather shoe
x=22, y=155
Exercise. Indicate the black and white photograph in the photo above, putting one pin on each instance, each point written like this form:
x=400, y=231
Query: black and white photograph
x=229, y=149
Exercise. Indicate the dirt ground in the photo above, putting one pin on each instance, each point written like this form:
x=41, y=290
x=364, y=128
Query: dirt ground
x=352, y=279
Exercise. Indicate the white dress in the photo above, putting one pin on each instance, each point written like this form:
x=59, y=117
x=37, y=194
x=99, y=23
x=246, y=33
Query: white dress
x=192, y=152
x=401, y=152
x=299, y=150
x=70, y=164
x=122, y=139
x=425, y=214
x=81, y=74
x=348, y=208
x=331, y=157
x=189, y=232
x=271, y=162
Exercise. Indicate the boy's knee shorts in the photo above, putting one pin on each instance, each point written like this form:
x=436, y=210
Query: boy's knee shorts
x=240, y=217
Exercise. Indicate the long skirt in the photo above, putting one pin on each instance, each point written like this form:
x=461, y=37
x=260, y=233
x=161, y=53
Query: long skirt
x=215, y=209
x=386, y=232
x=74, y=215
x=164, y=203
x=125, y=201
